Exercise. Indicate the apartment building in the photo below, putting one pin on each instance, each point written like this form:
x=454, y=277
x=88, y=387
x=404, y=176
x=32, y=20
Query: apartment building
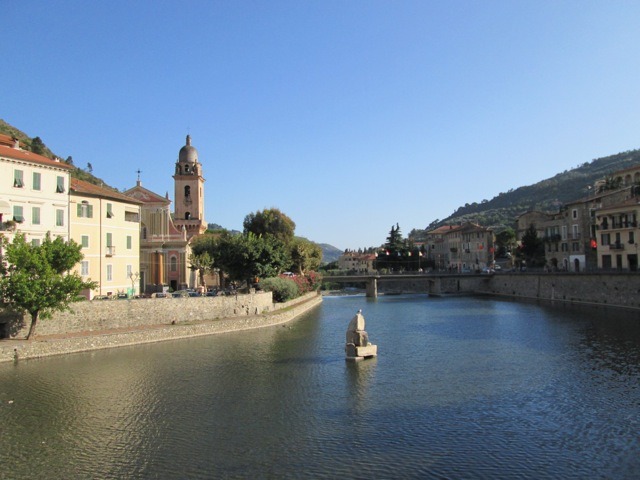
x=357, y=262
x=33, y=193
x=106, y=224
x=617, y=226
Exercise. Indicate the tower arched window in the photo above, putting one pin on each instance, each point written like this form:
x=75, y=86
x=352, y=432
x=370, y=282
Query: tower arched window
x=187, y=216
x=173, y=263
x=187, y=191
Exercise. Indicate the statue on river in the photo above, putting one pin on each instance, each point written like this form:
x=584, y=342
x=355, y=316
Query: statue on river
x=358, y=346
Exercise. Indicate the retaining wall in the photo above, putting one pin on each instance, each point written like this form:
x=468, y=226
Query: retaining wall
x=100, y=315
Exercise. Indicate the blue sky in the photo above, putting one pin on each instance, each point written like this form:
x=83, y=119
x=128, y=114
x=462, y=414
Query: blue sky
x=349, y=116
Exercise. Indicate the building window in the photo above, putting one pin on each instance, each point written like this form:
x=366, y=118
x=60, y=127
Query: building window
x=85, y=210
x=632, y=238
x=109, y=273
x=18, y=180
x=129, y=242
x=606, y=262
x=109, y=240
x=575, y=246
x=576, y=233
x=85, y=241
x=109, y=210
x=129, y=271
x=604, y=239
x=35, y=242
x=564, y=232
x=574, y=213
x=36, y=180
x=84, y=268
x=174, y=264
x=60, y=185
x=59, y=217
x=18, y=215
x=35, y=215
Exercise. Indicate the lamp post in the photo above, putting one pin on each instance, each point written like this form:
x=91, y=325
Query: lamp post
x=133, y=277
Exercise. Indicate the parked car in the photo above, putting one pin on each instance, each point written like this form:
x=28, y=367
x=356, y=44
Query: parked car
x=180, y=294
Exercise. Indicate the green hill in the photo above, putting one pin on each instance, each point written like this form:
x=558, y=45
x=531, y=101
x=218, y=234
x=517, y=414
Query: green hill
x=36, y=145
x=547, y=195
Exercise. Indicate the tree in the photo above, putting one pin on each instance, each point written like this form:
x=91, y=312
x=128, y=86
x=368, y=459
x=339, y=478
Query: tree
x=505, y=241
x=36, y=279
x=395, y=255
x=305, y=255
x=532, y=247
x=38, y=146
x=89, y=167
x=203, y=263
x=270, y=221
x=69, y=160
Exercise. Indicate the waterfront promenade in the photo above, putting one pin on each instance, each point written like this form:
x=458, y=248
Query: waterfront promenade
x=58, y=344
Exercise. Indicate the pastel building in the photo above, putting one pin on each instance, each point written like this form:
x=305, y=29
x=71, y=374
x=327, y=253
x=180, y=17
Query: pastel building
x=33, y=193
x=107, y=225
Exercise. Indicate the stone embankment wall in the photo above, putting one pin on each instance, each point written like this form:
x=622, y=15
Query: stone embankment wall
x=615, y=289
x=18, y=350
x=612, y=289
x=100, y=315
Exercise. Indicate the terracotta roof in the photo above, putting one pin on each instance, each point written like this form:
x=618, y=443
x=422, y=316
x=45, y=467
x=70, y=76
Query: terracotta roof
x=81, y=187
x=10, y=152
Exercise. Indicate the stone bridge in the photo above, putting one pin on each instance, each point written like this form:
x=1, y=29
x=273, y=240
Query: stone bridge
x=433, y=284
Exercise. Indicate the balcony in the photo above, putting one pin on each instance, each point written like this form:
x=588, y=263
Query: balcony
x=111, y=251
x=616, y=246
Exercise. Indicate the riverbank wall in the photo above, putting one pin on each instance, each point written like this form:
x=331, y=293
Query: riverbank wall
x=166, y=323
x=609, y=289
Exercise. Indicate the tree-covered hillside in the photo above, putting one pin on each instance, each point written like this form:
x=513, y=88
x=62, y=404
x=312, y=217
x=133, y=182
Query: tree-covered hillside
x=36, y=145
x=547, y=195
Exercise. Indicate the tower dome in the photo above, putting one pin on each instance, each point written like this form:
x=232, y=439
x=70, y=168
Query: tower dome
x=188, y=153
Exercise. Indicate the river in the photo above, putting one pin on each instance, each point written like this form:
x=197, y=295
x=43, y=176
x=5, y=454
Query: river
x=462, y=387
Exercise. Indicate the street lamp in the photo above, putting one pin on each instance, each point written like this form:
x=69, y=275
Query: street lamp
x=133, y=277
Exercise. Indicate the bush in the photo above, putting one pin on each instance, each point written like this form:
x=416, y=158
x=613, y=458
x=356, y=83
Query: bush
x=283, y=289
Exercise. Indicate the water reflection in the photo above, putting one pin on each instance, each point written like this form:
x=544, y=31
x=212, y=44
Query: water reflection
x=462, y=387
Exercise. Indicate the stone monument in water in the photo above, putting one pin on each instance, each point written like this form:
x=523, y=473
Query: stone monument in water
x=358, y=345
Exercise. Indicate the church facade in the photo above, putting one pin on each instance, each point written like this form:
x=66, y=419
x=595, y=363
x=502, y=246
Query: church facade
x=165, y=238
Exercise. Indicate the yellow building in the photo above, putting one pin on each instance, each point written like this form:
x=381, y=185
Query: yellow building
x=107, y=225
x=618, y=236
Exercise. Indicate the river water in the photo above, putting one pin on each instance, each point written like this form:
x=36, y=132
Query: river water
x=461, y=388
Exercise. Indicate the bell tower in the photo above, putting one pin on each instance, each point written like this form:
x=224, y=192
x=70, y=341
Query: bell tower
x=189, y=192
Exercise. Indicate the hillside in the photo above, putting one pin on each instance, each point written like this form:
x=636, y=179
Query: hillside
x=547, y=195
x=36, y=145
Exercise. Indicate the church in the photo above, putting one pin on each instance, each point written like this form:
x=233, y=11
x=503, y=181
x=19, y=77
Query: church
x=165, y=238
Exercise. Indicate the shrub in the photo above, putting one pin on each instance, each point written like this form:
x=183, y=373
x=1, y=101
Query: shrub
x=283, y=289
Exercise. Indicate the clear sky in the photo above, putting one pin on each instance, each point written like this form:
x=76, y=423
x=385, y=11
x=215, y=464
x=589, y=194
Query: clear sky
x=349, y=116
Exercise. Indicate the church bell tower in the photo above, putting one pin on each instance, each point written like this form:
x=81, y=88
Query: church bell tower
x=189, y=192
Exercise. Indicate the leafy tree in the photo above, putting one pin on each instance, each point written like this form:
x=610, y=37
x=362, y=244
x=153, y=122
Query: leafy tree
x=245, y=257
x=505, y=240
x=36, y=279
x=272, y=222
x=69, y=160
x=203, y=263
x=38, y=146
x=305, y=255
